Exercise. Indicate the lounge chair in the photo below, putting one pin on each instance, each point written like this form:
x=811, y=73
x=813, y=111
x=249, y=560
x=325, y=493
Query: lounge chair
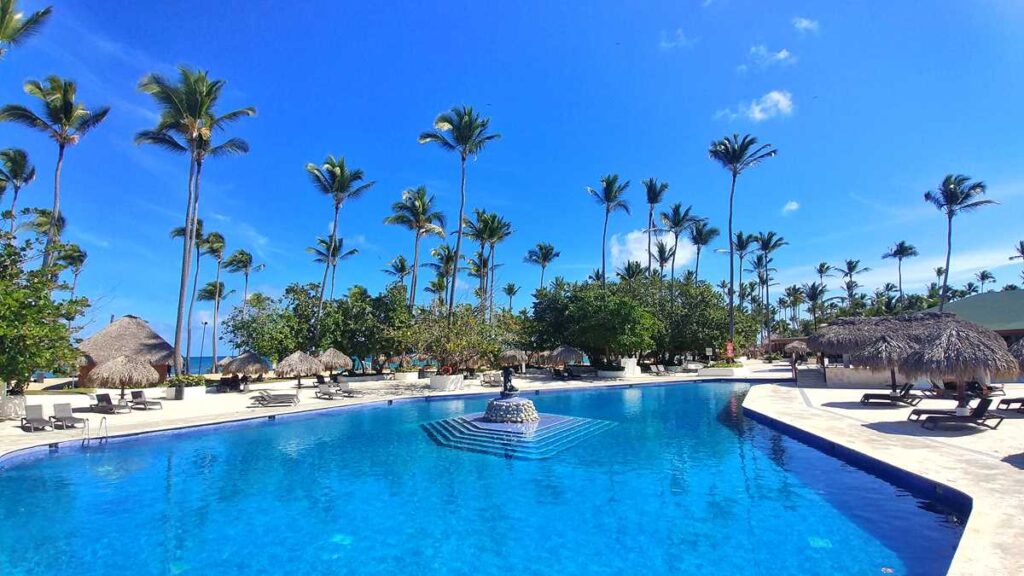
x=320, y=380
x=977, y=417
x=139, y=401
x=106, y=406
x=34, y=420
x=991, y=389
x=264, y=398
x=904, y=396
x=62, y=413
x=326, y=392
x=1007, y=404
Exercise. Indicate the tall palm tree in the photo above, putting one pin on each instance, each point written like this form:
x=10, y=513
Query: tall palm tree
x=795, y=296
x=737, y=155
x=40, y=221
x=329, y=252
x=823, y=270
x=200, y=242
x=465, y=132
x=439, y=288
x=678, y=221
x=444, y=267
x=17, y=172
x=242, y=262
x=1018, y=251
x=214, y=292
x=188, y=119
x=984, y=277
x=65, y=120
x=900, y=251
x=814, y=295
x=742, y=245
x=398, y=268
x=768, y=243
x=611, y=197
x=664, y=254
x=510, y=290
x=632, y=270
x=215, y=246
x=73, y=257
x=955, y=195
x=848, y=271
x=595, y=276
x=701, y=235
x=481, y=230
x=15, y=28
x=416, y=212
x=542, y=255
x=336, y=180
x=655, y=193
x=499, y=231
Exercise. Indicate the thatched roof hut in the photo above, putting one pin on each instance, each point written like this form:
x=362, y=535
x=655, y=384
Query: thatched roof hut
x=298, y=364
x=512, y=356
x=248, y=363
x=886, y=353
x=129, y=336
x=963, y=351
x=567, y=355
x=333, y=359
x=797, y=347
x=1017, y=350
x=847, y=335
x=123, y=372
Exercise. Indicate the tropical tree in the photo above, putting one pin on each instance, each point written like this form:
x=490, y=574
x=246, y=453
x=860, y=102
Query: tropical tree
x=398, y=268
x=241, y=262
x=984, y=277
x=632, y=270
x=498, y=231
x=848, y=271
x=737, y=155
x=200, y=242
x=17, y=172
x=814, y=295
x=416, y=212
x=510, y=290
x=542, y=255
x=1018, y=251
x=329, y=252
x=768, y=243
x=15, y=28
x=655, y=193
x=611, y=197
x=214, y=292
x=73, y=257
x=65, y=120
x=824, y=270
x=188, y=119
x=742, y=245
x=664, y=254
x=900, y=251
x=439, y=288
x=677, y=221
x=955, y=195
x=444, y=267
x=465, y=132
x=701, y=235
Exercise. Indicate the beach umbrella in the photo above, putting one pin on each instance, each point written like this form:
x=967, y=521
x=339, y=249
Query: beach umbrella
x=1017, y=350
x=248, y=363
x=961, y=350
x=512, y=356
x=333, y=359
x=846, y=335
x=566, y=355
x=797, y=347
x=298, y=364
x=885, y=353
x=122, y=372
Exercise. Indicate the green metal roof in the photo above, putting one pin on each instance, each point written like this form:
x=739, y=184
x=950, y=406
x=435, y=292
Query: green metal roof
x=998, y=311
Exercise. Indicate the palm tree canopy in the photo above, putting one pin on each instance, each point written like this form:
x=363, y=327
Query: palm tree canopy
x=214, y=245
x=702, y=234
x=15, y=167
x=328, y=252
x=179, y=232
x=72, y=256
x=461, y=130
x=398, y=268
x=663, y=253
x=743, y=243
x=901, y=250
x=769, y=242
x=985, y=276
x=737, y=154
x=40, y=221
x=15, y=28
x=631, y=271
x=213, y=291
x=444, y=256
x=542, y=255
x=64, y=119
x=510, y=289
x=677, y=220
x=957, y=194
x=416, y=212
x=336, y=180
x=611, y=194
x=850, y=268
x=655, y=190
x=239, y=261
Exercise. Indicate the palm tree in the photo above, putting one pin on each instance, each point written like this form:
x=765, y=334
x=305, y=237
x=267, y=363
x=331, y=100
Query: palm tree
x=41, y=220
x=459, y=130
x=510, y=290
x=595, y=276
x=65, y=121
x=200, y=242
x=542, y=256
x=72, y=256
x=969, y=289
x=334, y=179
x=677, y=221
x=399, y=268
x=655, y=192
x=15, y=28
x=214, y=245
x=439, y=288
x=416, y=212
x=17, y=172
x=499, y=231
x=1018, y=251
x=984, y=277
x=187, y=122
x=242, y=261
x=329, y=252
x=795, y=296
x=482, y=230
x=900, y=251
x=611, y=197
x=214, y=292
x=956, y=195
x=823, y=270
x=768, y=243
x=631, y=271
x=701, y=234
x=814, y=295
x=444, y=267
x=737, y=155
x=664, y=254
x=742, y=244
x=848, y=271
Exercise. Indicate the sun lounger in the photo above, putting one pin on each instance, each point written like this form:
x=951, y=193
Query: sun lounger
x=139, y=401
x=320, y=380
x=904, y=396
x=977, y=417
x=34, y=420
x=264, y=398
x=62, y=414
x=105, y=405
x=326, y=392
x=1007, y=404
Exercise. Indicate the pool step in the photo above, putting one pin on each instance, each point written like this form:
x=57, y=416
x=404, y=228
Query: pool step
x=524, y=442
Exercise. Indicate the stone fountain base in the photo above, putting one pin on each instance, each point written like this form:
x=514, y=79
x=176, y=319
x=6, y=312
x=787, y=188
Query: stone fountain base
x=514, y=410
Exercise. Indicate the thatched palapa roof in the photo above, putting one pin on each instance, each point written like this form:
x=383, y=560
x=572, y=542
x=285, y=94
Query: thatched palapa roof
x=1017, y=350
x=298, y=364
x=797, y=347
x=886, y=353
x=511, y=356
x=333, y=359
x=961, y=350
x=248, y=363
x=566, y=355
x=129, y=336
x=123, y=372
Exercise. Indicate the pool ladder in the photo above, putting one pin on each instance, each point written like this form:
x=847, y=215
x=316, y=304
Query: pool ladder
x=104, y=431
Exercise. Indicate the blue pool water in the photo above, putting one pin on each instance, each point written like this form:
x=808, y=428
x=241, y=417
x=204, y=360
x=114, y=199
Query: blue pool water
x=682, y=484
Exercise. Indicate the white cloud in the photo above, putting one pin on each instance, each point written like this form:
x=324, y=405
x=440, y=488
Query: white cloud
x=677, y=39
x=633, y=246
x=772, y=104
x=805, y=25
x=791, y=206
x=764, y=57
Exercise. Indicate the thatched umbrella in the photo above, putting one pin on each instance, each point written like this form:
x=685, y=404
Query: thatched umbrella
x=846, y=335
x=1018, y=352
x=512, y=356
x=887, y=352
x=248, y=363
x=566, y=355
x=796, y=347
x=333, y=359
x=961, y=350
x=122, y=372
x=298, y=364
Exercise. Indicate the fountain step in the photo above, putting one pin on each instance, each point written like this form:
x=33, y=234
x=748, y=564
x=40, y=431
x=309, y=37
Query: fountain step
x=531, y=442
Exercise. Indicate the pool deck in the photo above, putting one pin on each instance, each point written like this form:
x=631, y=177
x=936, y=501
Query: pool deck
x=986, y=465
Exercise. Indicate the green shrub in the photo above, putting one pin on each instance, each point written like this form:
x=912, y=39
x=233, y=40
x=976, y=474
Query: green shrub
x=772, y=357
x=187, y=380
x=724, y=364
x=407, y=369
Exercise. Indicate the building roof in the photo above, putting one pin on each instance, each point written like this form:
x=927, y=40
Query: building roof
x=999, y=311
x=128, y=336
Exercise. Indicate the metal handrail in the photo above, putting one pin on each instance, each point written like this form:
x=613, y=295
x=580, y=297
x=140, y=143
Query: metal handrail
x=86, y=433
x=104, y=428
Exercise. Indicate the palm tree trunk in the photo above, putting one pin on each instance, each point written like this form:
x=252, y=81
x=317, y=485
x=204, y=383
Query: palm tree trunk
x=186, y=257
x=74, y=286
x=899, y=276
x=732, y=264
x=194, y=232
x=945, y=273
x=696, y=266
x=458, y=239
x=650, y=231
x=541, y=277
x=52, y=233
x=604, y=239
x=741, y=281
x=490, y=287
x=510, y=303
x=191, y=306
x=768, y=299
x=327, y=267
x=216, y=311
x=14, y=205
x=245, y=291
x=334, y=270
x=415, y=269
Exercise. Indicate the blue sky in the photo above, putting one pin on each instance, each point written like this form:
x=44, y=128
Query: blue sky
x=868, y=103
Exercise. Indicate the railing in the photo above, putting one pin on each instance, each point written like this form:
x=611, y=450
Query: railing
x=104, y=429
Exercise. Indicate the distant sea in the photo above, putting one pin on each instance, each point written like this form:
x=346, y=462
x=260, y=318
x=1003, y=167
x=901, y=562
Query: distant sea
x=202, y=364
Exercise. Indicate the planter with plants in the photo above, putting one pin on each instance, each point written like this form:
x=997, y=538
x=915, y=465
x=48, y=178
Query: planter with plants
x=723, y=369
x=407, y=374
x=446, y=379
x=190, y=387
x=610, y=371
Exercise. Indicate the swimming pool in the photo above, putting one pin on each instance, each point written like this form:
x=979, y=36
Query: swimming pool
x=683, y=483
